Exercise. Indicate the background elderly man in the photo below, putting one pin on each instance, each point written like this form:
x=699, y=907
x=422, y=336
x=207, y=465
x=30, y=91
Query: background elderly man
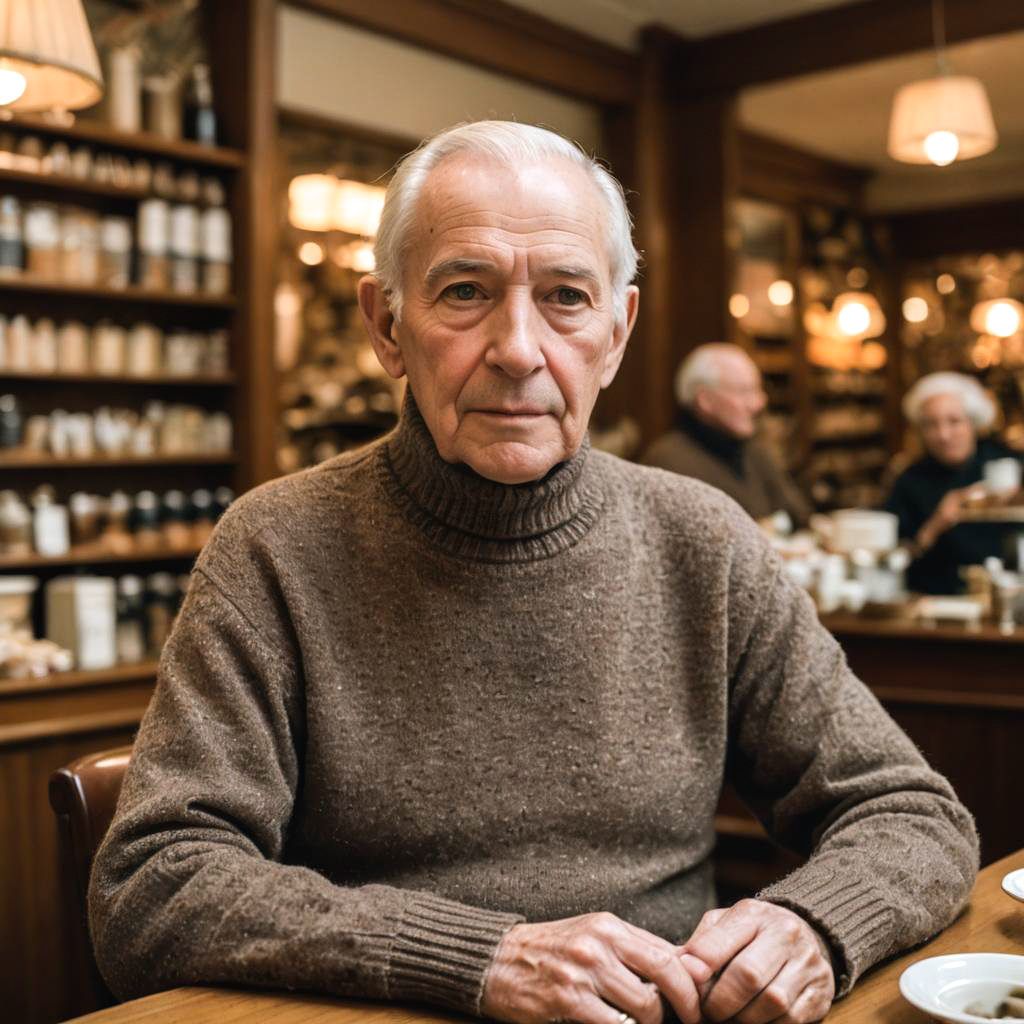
x=719, y=391
x=948, y=410
x=446, y=719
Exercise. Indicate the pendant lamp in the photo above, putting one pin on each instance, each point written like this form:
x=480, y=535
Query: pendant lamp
x=941, y=119
x=47, y=57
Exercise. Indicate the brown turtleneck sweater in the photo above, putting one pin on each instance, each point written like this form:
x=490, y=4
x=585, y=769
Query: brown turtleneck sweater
x=404, y=707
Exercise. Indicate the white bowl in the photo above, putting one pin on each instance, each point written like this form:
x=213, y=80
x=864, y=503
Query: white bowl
x=1013, y=884
x=943, y=985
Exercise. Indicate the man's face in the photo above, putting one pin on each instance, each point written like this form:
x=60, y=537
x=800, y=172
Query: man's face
x=734, y=403
x=507, y=332
x=946, y=430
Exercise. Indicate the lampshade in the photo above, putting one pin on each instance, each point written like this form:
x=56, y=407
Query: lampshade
x=938, y=120
x=357, y=208
x=47, y=43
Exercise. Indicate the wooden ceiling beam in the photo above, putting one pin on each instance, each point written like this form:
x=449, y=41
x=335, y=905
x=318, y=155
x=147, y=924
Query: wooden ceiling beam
x=499, y=37
x=850, y=34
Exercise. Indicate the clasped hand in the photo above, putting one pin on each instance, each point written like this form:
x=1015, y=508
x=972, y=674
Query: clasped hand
x=754, y=963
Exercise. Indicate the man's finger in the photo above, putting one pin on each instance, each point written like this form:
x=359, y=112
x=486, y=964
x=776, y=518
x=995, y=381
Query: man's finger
x=657, y=961
x=719, y=943
x=756, y=978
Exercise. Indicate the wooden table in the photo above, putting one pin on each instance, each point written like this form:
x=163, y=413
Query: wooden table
x=993, y=923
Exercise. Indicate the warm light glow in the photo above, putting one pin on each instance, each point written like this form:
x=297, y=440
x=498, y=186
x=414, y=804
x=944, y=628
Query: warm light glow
x=311, y=253
x=1002, y=319
x=310, y=201
x=780, y=293
x=941, y=147
x=945, y=283
x=873, y=355
x=739, y=305
x=356, y=256
x=357, y=208
x=915, y=310
x=856, y=277
x=12, y=86
x=854, y=318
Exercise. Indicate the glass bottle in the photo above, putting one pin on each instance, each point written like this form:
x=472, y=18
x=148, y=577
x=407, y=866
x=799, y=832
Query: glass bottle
x=12, y=245
x=131, y=621
x=200, y=117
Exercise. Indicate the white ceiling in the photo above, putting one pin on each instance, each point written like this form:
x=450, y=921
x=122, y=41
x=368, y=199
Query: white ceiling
x=842, y=114
x=618, y=21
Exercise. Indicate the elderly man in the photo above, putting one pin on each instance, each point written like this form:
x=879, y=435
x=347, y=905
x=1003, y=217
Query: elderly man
x=446, y=719
x=720, y=395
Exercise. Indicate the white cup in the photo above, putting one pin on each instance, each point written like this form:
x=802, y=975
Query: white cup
x=1002, y=476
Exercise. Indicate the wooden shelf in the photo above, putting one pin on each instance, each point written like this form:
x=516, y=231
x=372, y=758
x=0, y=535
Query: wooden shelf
x=24, y=284
x=101, y=135
x=35, y=461
x=94, y=555
x=65, y=184
x=72, y=680
x=210, y=380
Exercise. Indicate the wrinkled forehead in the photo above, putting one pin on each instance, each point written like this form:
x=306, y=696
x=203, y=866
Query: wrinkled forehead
x=468, y=200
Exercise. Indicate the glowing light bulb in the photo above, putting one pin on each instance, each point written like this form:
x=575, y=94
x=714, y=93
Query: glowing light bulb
x=915, y=310
x=780, y=293
x=12, y=85
x=854, y=318
x=946, y=283
x=941, y=147
x=739, y=305
x=1002, y=319
x=311, y=253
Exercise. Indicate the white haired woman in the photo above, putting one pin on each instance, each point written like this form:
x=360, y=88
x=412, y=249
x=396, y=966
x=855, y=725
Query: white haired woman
x=949, y=410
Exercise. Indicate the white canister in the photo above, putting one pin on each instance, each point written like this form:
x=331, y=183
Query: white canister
x=124, y=88
x=1002, y=476
x=81, y=615
x=144, y=353
x=44, y=346
x=108, y=345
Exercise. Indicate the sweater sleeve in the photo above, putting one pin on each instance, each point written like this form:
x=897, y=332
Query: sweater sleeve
x=189, y=885
x=892, y=852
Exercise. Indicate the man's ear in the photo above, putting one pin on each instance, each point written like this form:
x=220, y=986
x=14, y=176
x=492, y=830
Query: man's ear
x=380, y=325
x=620, y=335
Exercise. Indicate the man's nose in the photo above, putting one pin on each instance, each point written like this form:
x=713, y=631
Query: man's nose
x=515, y=328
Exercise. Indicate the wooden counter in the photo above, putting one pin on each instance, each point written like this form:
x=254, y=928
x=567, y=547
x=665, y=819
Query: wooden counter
x=959, y=694
x=992, y=923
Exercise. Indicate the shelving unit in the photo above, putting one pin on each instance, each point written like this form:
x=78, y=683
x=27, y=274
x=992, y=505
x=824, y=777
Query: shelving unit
x=46, y=723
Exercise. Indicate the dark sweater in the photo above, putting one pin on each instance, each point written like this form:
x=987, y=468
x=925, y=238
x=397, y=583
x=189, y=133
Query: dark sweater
x=745, y=470
x=914, y=498
x=404, y=707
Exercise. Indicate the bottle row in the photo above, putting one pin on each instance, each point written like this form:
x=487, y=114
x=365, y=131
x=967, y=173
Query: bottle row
x=91, y=622
x=107, y=349
x=83, y=163
x=160, y=429
x=178, y=247
x=118, y=524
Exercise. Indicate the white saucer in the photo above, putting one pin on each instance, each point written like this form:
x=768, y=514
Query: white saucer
x=943, y=985
x=1013, y=884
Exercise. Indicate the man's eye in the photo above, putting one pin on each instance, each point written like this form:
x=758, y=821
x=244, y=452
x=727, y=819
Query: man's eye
x=569, y=296
x=463, y=292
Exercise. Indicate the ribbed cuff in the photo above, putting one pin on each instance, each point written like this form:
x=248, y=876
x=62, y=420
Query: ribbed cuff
x=442, y=951
x=850, y=913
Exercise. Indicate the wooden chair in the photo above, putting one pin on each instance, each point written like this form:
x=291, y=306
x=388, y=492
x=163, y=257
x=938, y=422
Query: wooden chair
x=84, y=795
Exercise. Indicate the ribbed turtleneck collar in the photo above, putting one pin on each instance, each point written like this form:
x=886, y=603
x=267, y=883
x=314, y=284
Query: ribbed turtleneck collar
x=472, y=517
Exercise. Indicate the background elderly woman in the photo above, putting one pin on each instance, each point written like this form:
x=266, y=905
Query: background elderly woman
x=949, y=410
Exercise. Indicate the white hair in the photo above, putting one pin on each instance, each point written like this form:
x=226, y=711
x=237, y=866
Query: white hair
x=505, y=142
x=980, y=409
x=702, y=370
